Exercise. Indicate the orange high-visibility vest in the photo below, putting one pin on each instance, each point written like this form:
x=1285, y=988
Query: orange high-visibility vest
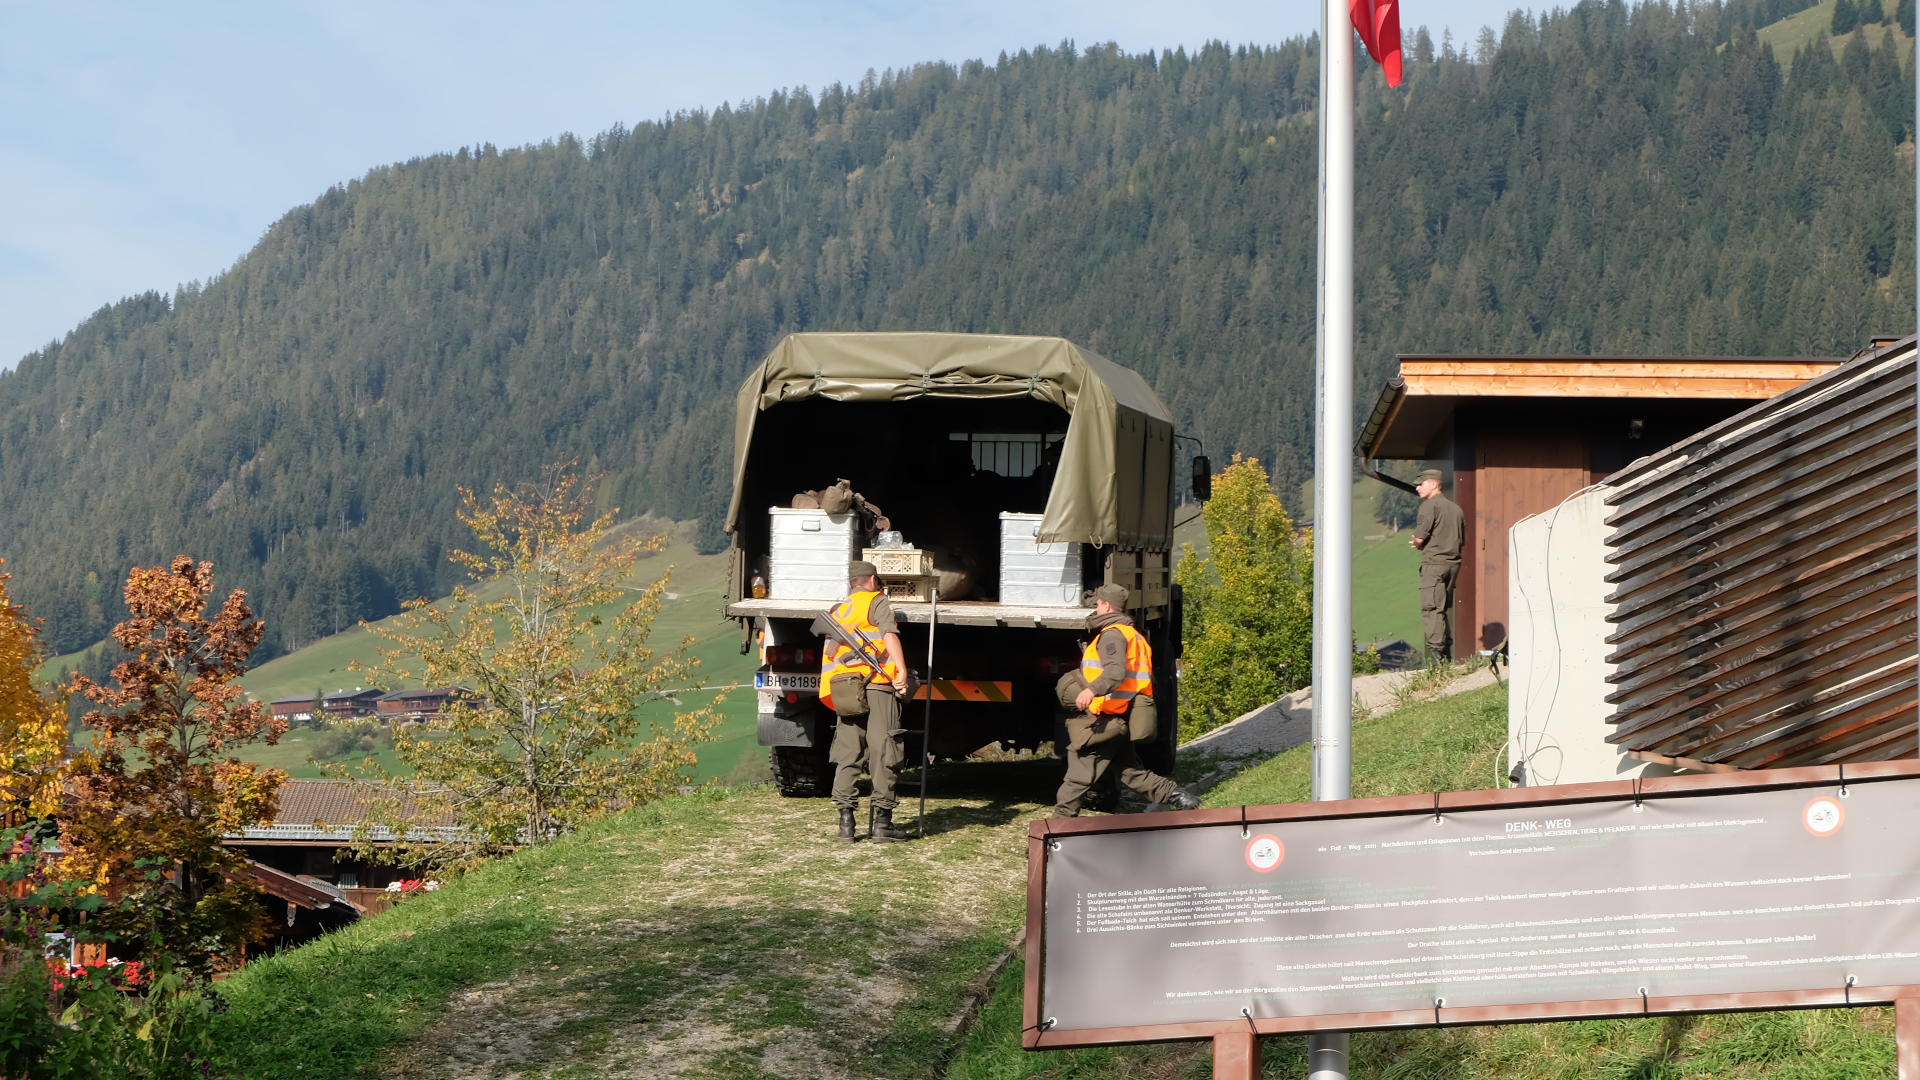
x=853, y=615
x=1139, y=679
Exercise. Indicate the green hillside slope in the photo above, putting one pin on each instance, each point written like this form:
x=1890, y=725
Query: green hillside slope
x=726, y=934
x=692, y=609
x=1594, y=180
x=1800, y=30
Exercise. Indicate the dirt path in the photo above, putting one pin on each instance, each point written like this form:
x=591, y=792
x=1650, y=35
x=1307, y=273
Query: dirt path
x=737, y=937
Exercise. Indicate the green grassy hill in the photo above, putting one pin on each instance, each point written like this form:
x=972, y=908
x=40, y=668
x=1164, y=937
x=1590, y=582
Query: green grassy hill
x=724, y=934
x=1798, y=31
x=465, y=317
x=1386, y=571
x=693, y=609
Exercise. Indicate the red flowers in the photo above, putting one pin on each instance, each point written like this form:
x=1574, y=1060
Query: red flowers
x=119, y=974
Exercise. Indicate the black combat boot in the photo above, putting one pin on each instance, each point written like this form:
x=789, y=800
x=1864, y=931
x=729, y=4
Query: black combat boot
x=883, y=827
x=846, y=824
x=1184, y=799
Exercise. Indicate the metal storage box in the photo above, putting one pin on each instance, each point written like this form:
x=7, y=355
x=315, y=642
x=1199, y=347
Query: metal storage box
x=811, y=552
x=1032, y=572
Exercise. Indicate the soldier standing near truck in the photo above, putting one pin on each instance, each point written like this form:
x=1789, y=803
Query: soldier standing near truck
x=864, y=687
x=1116, y=675
x=1438, y=533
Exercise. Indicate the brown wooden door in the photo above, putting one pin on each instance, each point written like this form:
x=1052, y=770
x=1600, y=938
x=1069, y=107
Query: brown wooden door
x=1517, y=473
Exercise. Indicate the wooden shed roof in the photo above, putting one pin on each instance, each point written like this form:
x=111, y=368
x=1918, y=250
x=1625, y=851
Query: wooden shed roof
x=1415, y=408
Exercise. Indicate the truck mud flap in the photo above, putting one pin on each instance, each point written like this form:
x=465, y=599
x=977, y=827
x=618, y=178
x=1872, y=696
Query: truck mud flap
x=778, y=730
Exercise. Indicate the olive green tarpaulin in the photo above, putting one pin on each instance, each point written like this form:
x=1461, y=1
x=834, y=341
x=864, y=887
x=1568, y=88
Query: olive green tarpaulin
x=1114, y=484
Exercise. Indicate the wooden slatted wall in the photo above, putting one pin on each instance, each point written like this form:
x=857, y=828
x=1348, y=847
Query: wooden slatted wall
x=1765, y=590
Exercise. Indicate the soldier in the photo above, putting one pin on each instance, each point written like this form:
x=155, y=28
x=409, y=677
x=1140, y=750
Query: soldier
x=1438, y=533
x=869, y=731
x=1115, y=684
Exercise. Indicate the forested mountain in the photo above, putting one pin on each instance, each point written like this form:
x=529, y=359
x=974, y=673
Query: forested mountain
x=1604, y=179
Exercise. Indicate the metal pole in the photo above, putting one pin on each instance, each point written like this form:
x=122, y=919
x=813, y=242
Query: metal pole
x=926, y=732
x=1333, y=486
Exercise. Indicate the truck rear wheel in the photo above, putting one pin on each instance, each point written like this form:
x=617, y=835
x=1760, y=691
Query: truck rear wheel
x=802, y=772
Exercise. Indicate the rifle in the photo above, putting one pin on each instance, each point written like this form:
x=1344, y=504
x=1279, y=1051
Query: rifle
x=862, y=646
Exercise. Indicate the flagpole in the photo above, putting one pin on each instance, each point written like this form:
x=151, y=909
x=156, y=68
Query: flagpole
x=1333, y=467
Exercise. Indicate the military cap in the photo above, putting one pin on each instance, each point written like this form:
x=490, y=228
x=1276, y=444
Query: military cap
x=861, y=569
x=1430, y=474
x=1112, y=594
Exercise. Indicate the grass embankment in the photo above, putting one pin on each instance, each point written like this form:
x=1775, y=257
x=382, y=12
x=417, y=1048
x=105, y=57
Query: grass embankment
x=724, y=933
x=1797, y=31
x=692, y=608
x=1386, y=572
x=1449, y=744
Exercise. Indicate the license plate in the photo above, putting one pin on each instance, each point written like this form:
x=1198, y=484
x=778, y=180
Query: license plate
x=786, y=680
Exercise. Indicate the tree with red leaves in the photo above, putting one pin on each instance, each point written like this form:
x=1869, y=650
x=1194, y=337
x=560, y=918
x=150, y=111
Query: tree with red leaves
x=159, y=786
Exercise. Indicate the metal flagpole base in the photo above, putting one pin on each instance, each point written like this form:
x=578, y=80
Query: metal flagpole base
x=1327, y=1056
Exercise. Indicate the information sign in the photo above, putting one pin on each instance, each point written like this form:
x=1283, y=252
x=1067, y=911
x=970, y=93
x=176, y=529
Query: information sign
x=1676, y=895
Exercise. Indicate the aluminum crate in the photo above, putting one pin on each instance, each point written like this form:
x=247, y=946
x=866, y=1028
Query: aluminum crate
x=1032, y=572
x=812, y=550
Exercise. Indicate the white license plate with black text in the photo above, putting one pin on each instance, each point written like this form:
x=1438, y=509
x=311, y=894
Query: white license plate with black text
x=786, y=680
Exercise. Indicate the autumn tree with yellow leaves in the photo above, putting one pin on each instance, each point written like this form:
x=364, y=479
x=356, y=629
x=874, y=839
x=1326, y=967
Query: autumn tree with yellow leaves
x=159, y=787
x=33, y=723
x=1249, y=603
x=545, y=736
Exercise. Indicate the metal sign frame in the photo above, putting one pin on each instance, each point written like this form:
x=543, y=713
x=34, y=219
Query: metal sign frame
x=1035, y=1037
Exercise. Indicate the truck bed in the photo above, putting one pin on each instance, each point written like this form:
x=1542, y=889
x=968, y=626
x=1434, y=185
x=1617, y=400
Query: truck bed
x=959, y=613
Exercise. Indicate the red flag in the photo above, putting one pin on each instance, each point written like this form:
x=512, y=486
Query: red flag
x=1379, y=24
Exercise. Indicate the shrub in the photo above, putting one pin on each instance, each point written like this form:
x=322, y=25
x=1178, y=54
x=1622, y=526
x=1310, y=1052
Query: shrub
x=1249, y=604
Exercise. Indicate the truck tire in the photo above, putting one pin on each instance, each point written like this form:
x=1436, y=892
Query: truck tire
x=802, y=772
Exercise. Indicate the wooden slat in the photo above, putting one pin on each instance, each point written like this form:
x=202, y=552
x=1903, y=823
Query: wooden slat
x=1797, y=370
x=1764, y=599
x=1573, y=386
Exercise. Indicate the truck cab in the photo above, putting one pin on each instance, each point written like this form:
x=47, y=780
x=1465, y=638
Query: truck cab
x=1019, y=474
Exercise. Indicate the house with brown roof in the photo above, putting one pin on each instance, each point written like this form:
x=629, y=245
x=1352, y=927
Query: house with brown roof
x=416, y=705
x=294, y=710
x=354, y=704
x=304, y=858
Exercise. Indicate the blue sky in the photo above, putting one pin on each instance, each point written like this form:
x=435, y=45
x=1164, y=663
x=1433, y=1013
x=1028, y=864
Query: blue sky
x=143, y=145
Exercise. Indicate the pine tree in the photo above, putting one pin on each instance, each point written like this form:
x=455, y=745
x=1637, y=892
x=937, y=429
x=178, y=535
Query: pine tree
x=601, y=299
x=1846, y=16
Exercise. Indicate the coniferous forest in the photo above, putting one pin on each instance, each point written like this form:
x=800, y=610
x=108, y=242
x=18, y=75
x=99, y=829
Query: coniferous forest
x=1608, y=179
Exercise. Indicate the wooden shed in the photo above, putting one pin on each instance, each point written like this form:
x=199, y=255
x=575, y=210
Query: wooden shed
x=1514, y=435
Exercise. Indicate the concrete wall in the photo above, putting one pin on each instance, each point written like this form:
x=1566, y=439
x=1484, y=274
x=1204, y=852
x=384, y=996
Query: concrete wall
x=1556, y=693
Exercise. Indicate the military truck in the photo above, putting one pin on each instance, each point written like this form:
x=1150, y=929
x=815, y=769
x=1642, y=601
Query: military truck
x=974, y=445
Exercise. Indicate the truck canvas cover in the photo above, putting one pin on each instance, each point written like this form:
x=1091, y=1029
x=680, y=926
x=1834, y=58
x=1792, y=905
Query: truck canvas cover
x=1114, y=484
